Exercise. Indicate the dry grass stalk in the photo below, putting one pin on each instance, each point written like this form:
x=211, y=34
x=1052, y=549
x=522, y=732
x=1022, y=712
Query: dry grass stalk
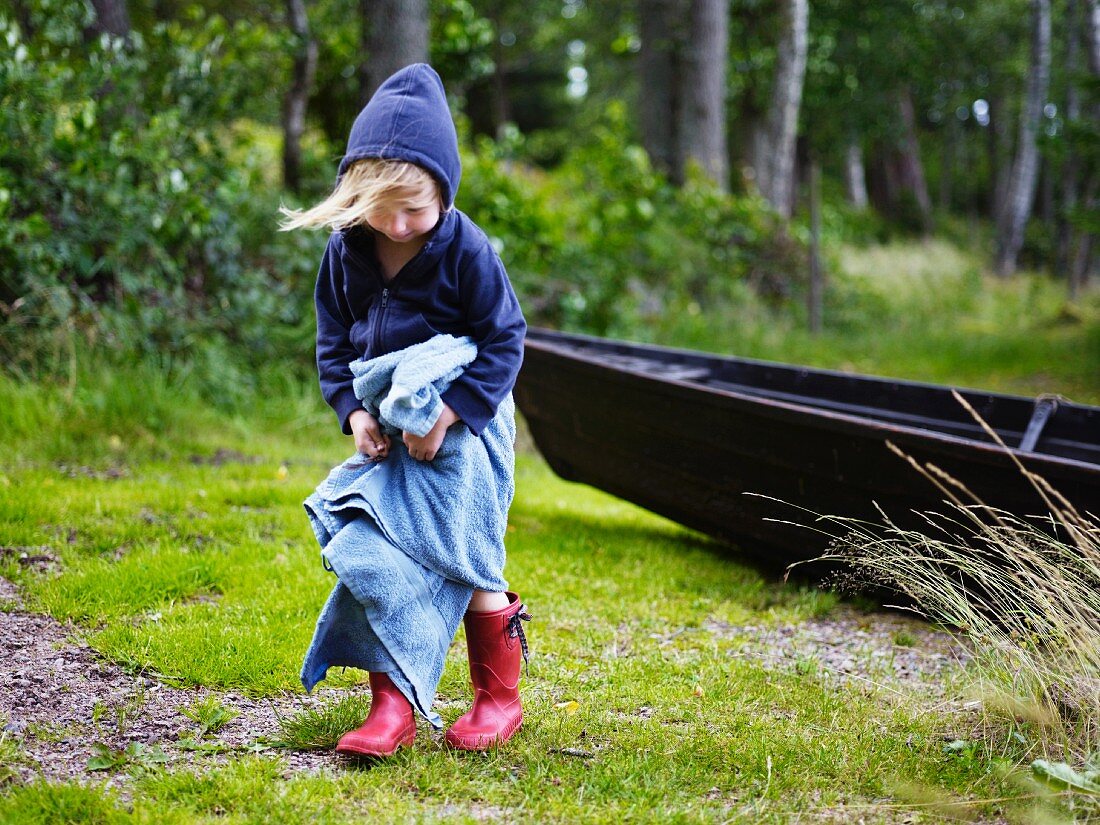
x=1026, y=599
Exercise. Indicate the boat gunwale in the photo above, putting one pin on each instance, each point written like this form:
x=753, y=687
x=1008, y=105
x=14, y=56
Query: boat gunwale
x=848, y=421
x=759, y=362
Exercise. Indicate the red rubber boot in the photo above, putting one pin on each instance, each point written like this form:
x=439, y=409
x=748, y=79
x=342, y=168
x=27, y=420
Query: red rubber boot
x=389, y=725
x=496, y=645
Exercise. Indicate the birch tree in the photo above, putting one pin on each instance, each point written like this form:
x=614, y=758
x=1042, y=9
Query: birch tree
x=774, y=150
x=1015, y=211
x=855, y=176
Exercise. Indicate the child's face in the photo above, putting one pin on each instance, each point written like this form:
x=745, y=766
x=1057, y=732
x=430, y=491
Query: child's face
x=405, y=219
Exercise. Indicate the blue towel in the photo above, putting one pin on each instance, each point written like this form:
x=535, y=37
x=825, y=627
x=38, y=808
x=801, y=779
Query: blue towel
x=410, y=540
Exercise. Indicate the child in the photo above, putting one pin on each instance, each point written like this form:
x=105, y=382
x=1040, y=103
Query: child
x=405, y=269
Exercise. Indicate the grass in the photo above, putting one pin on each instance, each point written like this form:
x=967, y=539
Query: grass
x=180, y=549
x=1028, y=601
x=925, y=311
x=321, y=728
x=210, y=715
x=11, y=757
x=208, y=575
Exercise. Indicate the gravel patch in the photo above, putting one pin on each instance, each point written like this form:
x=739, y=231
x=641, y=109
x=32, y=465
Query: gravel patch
x=883, y=649
x=58, y=699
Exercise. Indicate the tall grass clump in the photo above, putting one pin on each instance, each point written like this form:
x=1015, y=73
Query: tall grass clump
x=1023, y=595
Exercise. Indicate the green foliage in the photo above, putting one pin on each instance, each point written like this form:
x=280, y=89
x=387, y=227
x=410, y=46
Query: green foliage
x=1060, y=775
x=42, y=803
x=320, y=728
x=11, y=756
x=135, y=754
x=210, y=715
x=604, y=243
x=140, y=180
x=141, y=197
x=124, y=218
x=461, y=43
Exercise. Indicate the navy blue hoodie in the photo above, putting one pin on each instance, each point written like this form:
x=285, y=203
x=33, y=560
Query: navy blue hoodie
x=456, y=283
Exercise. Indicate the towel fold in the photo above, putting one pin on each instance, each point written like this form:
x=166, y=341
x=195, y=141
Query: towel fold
x=410, y=540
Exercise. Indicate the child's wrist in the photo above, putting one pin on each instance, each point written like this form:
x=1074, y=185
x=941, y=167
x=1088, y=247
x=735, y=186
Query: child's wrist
x=448, y=416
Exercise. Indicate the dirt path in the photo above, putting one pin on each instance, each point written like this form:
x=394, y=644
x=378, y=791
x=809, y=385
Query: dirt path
x=58, y=699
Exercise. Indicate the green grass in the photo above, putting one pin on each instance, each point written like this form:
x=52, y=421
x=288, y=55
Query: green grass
x=922, y=311
x=321, y=728
x=210, y=576
x=11, y=756
x=199, y=566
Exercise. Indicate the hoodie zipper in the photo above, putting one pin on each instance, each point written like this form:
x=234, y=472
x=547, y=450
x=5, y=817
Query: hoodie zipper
x=381, y=319
x=415, y=263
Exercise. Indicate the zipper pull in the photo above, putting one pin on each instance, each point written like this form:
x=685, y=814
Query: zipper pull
x=385, y=297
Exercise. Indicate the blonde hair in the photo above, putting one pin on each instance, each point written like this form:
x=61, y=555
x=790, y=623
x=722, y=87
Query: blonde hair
x=367, y=186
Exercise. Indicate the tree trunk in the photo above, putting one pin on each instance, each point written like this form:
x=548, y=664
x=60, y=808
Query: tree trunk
x=1082, y=252
x=1046, y=195
x=775, y=163
x=1092, y=35
x=1000, y=153
x=816, y=295
x=395, y=36
x=855, y=177
x=502, y=107
x=1084, y=258
x=23, y=17
x=756, y=130
x=112, y=17
x=1021, y=188
x=362, y=71
x=911, y=168
x=297, y=96
x=1071, y=167
x=949, y=161
x=661, y=28
x=702, y=95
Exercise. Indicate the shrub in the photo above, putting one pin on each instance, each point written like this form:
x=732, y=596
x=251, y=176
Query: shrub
x=603, y=243
x=139, y=192
x=123, y=219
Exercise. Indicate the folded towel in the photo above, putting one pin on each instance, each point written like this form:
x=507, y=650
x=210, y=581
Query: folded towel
x=409, y=540
x=402, y=389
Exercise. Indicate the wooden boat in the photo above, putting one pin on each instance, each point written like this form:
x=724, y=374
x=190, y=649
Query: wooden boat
x=689, y=435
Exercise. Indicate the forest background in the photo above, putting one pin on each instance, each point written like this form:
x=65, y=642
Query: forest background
x=644, y=168
x=669, y=171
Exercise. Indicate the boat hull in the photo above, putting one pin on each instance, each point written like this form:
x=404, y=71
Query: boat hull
x=753, y=471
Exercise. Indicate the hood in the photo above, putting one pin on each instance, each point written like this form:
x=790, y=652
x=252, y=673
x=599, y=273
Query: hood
x=408, y=119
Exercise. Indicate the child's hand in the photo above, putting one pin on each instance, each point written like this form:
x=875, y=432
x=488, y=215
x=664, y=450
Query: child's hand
x=368, y=435
x=424, y=449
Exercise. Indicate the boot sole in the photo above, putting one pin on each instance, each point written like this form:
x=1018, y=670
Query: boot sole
x=350, y=750
x=482, y=742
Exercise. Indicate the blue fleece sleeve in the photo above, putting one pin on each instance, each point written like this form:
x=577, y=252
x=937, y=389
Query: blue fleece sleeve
x=497, y=326
x=334, y=348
